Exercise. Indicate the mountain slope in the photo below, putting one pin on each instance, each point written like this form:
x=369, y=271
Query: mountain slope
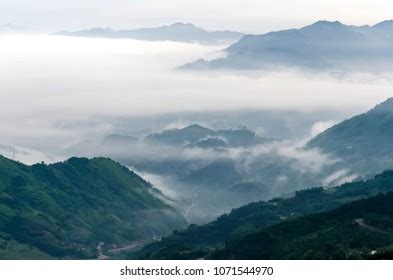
x=180, y=136
x=66, y=209
x=219, y=173
x=202, y=241
x=198, y=136
x=178, y=32
x=360, y=230
x=322, y=45
x=364, y=141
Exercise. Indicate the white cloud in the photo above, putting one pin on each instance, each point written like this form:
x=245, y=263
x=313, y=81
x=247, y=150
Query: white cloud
x=59, y=89
x=321, y=126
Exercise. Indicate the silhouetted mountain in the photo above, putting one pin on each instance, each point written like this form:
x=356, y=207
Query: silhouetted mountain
x=178, y=32
x=65, y=210
x=364, y=141
x=322, y=45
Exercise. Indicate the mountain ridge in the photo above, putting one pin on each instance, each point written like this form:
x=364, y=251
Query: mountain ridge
x=202, y=241
x=64, y=210
x=363, y=141
x=323, y=45
x=177, y=32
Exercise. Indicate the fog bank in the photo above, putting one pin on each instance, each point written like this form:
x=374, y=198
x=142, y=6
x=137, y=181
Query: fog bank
x=57, y=90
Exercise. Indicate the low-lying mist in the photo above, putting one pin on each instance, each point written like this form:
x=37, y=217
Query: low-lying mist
x=60, y=96
x=53, y=89
x=208, y=180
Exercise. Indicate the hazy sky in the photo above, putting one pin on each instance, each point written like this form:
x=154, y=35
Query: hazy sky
x=253, y=16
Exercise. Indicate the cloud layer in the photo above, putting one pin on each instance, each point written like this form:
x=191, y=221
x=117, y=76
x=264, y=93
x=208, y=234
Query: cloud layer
x=55, y=90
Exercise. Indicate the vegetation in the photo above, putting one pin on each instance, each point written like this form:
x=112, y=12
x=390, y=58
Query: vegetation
x=359, y=230
x=363, y=141
x=203, y=241
x=199, y=136
x=65, y=210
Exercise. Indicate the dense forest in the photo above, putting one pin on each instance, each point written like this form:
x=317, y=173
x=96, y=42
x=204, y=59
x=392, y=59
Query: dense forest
x=66, y=210
x=359, y=230
x=222, y=237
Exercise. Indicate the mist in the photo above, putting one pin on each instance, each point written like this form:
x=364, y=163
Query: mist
x=61, y=96
x=57, y=90
x=195, y=180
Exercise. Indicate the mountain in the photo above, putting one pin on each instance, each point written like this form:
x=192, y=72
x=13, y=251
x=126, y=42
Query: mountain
x=180, y=136
x=11, y=29
x=219, y=173
x=202, y=241
x=211, y=171
x=69, y=209
x=364, y=141
x=198, y=136
x=323, y=45
x=385, y=27
x=208, y=143
x=359, y=230
x=178, y=32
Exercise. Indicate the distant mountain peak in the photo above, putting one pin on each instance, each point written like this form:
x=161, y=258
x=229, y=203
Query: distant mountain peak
x=322, y=46
x=384, y=107
x=195, y=126
x=101, y=29
x=181, y=24
x=326, y=24
x=177, y=32
x=383, y=24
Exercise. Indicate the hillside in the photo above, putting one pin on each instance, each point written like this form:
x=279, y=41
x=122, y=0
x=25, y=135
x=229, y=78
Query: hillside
x=219, y=173
x=198, y=136
x=364, y=141
x=359, y=230
x=65, y=210
x=180, y=136
x=201, y=241
x=323, y=45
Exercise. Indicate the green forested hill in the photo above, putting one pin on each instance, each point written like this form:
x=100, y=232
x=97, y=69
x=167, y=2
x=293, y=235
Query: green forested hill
x=202, y=241
x=359, y=230
x=364, y=141
x=65, y=210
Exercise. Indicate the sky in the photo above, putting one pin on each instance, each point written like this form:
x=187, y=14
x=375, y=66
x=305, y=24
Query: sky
x=250, y=16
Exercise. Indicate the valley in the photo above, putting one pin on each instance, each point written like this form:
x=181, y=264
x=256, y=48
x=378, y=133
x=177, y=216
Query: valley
x=114, y=144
